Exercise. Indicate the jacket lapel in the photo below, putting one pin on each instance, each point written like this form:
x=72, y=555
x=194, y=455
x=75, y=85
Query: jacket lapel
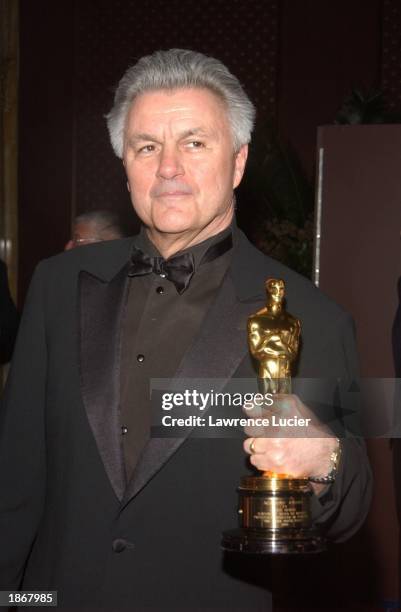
x=101, y=313
x=216, y=353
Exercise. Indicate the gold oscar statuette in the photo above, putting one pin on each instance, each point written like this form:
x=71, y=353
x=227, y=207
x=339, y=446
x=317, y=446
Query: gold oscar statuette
x=274, y=509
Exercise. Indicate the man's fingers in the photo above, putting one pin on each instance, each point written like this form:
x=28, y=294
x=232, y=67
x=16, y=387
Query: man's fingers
x=298, y=457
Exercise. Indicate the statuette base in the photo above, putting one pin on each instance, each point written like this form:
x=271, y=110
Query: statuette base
x=274, y=517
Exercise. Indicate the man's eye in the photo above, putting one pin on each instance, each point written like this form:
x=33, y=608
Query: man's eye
x=195, y=144
x=146, y=149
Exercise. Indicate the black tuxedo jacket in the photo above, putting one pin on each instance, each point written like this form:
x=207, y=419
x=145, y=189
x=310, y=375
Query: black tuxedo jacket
x=68, y=520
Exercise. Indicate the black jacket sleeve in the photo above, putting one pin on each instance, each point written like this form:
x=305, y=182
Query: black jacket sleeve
x=22, y=441
x=343, y=506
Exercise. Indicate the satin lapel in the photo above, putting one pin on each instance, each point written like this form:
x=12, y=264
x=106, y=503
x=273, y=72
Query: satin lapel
x=216, y=353
x=101, y=312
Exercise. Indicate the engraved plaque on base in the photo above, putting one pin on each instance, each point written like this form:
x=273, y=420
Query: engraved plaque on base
x=274, y=517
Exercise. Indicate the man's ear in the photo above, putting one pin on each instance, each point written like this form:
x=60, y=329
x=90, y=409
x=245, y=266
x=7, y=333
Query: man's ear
x=240, y=162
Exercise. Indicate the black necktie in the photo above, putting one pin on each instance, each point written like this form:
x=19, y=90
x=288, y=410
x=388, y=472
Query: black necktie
x=178, y=269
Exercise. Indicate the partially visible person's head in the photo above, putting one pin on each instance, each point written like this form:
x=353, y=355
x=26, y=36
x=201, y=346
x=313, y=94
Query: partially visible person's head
x=181, y=122
x=95, y=226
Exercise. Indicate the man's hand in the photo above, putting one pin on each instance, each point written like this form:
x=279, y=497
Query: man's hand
x=295, y=450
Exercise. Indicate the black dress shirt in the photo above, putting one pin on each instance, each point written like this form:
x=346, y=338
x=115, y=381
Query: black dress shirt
x=160, y=325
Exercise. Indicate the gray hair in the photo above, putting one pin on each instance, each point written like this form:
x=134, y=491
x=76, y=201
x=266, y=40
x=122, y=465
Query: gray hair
x=180, y=68
x=105, y=222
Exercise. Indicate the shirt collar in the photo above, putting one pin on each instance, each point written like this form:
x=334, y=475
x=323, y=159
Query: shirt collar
x=143, y=242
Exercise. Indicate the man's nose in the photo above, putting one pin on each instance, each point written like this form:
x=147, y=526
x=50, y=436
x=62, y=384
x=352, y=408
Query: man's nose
x=170, y=164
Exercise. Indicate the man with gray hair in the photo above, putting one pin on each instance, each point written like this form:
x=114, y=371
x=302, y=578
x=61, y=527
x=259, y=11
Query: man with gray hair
x=93, y=506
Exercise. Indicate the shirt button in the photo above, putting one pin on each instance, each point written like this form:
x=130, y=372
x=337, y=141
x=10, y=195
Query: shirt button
x=124, y=430
x=140, y=358
x=160, y=290
x=119, y=545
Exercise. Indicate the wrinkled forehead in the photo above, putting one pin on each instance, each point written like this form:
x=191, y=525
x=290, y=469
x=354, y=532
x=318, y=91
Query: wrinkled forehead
x=200, y=104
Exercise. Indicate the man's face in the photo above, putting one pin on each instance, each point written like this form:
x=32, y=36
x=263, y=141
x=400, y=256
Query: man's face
x=180, y=161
